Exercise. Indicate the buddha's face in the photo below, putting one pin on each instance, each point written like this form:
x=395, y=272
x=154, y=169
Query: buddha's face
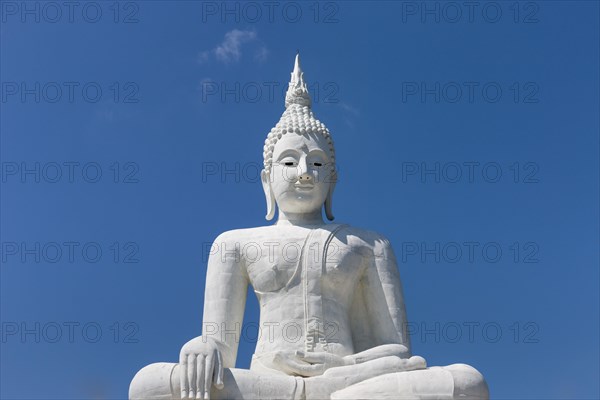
x=301, y=174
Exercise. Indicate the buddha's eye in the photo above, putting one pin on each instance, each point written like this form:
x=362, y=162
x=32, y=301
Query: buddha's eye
x=318, y=164
x=289, y=163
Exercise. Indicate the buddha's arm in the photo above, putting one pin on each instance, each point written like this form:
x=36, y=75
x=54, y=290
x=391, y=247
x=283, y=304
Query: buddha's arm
x=202, y=359
x=225, y=298
x=384, y=302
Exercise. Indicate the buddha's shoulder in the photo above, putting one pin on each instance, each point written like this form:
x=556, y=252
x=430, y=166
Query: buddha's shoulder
x=352, y=236
x=244, y=235
x=361, y=238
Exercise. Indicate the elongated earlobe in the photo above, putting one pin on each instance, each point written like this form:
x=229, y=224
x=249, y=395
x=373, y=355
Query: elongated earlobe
x=329, y=198
x=265, y=178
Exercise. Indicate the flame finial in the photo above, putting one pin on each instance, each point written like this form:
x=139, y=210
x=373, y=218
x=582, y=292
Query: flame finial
x=297, y=92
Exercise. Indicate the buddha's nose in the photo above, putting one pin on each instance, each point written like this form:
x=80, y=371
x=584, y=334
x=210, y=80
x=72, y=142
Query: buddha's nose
x=305, y=178
x=304, y=175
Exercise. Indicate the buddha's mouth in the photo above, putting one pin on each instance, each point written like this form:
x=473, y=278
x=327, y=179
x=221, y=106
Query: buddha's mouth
x=304, y=187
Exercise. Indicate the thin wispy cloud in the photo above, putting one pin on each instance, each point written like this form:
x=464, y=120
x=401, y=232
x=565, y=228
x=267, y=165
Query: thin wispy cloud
x=349, y=114
x=230, y=49
x=348, y=108
x=203, y=57
x=261, y=54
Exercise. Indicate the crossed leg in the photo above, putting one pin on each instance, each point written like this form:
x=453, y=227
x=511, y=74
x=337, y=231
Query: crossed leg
x=383, y=378
x=160, y=381
x=456, y=381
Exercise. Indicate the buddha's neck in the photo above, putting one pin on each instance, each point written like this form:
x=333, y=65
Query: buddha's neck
x=300, y=219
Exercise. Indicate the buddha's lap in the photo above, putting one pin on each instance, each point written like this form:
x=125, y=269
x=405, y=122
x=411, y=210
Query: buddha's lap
x=161, y=381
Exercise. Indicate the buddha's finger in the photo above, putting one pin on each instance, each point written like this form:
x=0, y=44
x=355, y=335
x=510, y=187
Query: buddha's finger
x=182, y=375
x=289, y=365
x=208, y=375
x=306, y=369
x=191, y=370
x=200, y=368
x=313, y=358
x=219, y=371
x=417, y=362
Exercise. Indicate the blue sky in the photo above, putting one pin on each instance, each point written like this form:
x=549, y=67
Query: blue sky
x=467, y=136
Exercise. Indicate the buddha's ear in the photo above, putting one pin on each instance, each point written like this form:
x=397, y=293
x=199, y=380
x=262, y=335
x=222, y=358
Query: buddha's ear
x=265, y=177
x=329, y=198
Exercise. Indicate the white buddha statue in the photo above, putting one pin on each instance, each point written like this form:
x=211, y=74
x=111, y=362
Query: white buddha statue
x=332, y=314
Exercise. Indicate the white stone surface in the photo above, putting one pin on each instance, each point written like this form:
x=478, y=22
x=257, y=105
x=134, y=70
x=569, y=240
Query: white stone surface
x=332, y=314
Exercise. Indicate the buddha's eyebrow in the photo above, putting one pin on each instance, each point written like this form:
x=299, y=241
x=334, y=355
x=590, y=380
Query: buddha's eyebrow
x=287, y=153
x=318, y=152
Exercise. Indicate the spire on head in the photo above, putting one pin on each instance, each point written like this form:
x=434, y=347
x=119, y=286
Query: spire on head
x=297, y=92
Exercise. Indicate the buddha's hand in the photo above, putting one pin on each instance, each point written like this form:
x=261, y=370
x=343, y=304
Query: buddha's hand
x=322, y=361
x=384, y=350
x=299, y=363
x=201, y=366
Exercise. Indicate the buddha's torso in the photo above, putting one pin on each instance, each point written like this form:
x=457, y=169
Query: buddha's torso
x=305, y=303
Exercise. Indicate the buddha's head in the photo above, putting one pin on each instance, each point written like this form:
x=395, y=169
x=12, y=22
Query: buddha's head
x=299, y=172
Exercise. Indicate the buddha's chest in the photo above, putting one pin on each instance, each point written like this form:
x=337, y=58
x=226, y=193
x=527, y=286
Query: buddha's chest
x=300, y=264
